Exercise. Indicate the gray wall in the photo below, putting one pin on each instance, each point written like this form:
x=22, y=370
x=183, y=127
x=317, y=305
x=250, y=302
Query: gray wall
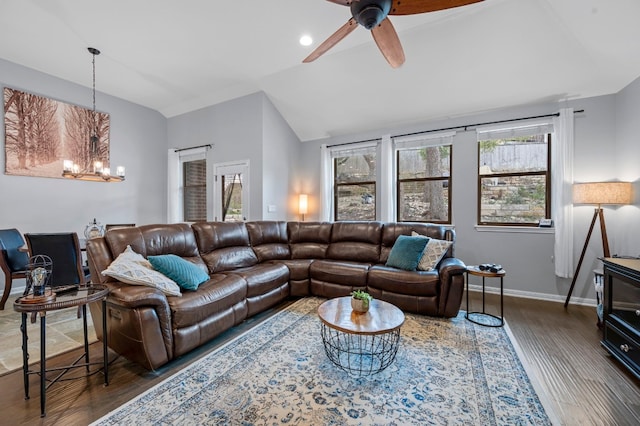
x=600, y=154
x=245, y=128
x=626, y=237
x=280, y=154
x=138, y=142
x=235, y=129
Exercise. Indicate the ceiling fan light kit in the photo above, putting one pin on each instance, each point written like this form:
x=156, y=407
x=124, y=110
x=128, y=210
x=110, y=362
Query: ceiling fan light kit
x=374, y=16
x=370, y=13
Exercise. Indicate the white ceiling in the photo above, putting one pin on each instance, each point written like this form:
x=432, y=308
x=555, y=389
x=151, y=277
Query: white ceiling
x=178, y=56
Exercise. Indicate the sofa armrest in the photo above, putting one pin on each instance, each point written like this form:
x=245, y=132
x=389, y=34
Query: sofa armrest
x=146, y=301
x=451, y=272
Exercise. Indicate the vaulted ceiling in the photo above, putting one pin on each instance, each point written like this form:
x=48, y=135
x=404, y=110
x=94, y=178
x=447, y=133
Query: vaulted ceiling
x=179, y=56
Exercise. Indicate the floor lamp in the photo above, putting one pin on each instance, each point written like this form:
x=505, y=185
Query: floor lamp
x=598, y=193
x=303, y=205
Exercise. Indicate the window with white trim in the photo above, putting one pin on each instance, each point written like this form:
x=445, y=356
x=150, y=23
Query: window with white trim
x=187, y=184
x=354, y=181
x=514, y=175
x=423, y=177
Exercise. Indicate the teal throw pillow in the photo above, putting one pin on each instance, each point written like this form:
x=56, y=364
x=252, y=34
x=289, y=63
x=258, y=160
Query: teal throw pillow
x=186, y=274
x=406, y=252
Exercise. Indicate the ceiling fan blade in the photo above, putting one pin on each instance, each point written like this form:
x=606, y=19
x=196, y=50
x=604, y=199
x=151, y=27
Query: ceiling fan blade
x=412, y=7
x=388, y=42
x=342, y=32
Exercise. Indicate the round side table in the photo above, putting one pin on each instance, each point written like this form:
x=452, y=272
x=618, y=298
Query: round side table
x=81, y=296
x=484, y=318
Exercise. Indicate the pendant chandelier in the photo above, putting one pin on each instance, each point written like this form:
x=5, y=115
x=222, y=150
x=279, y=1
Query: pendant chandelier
x=98, y=173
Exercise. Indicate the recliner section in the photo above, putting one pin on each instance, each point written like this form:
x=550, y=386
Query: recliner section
x=255, y=266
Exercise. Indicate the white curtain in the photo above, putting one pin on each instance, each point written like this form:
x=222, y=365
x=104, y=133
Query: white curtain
x=174, y=179
x=326, y=184
x=423, y=140
x=514, y=129
x=174, y=195
x=562, y=180
x=387, y=205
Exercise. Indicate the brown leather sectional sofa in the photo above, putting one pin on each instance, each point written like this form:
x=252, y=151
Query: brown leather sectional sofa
x=254, y=266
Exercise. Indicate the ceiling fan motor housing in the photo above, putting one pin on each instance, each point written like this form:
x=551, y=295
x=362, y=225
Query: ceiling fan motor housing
x=370, y=13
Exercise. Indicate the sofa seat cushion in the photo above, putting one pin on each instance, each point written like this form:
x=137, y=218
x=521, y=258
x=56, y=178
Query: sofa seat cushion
x=298, y=276
x=352, y=274
x=219, y=293
x=263, y=278
x=298, y=268
x=412, y=283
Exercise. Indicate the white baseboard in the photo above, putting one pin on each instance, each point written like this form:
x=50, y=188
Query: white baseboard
x=534, y=295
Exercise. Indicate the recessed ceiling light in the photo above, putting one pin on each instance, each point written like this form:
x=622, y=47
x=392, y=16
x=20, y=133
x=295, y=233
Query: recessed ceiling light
x=306, y=40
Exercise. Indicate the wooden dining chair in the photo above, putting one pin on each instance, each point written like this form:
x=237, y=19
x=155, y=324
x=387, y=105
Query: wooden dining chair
x=13, y=261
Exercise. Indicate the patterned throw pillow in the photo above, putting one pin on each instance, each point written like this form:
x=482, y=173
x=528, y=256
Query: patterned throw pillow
x=433, y=253
x=132, y=268
x=188, y=275
x=406, y=252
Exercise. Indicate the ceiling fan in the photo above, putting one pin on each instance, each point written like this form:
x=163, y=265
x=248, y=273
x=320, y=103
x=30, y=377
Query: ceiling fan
x=373, y=15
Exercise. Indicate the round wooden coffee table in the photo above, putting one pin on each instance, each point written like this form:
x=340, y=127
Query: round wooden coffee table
x=360, y=344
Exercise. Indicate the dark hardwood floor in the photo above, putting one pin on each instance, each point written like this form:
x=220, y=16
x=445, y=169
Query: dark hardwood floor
x=584, y=385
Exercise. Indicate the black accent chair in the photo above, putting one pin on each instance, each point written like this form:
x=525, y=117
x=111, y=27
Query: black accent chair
x=64, y=251
x=13, y=261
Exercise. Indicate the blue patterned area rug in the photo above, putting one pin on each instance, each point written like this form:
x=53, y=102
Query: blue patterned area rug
x=447, y=372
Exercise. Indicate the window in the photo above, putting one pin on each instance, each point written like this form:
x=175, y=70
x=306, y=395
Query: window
x=187, y=184
x=354, y=186
x=514, y=181
x=231, y=191
x=232, y=198
x=423, y=177
x=194, y=201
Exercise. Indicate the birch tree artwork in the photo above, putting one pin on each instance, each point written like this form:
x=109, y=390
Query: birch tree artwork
x=40, y=133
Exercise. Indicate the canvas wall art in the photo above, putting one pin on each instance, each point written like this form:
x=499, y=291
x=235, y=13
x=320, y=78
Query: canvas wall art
x=40, y=133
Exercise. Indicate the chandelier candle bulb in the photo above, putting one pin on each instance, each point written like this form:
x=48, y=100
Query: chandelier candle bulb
x=120, y=171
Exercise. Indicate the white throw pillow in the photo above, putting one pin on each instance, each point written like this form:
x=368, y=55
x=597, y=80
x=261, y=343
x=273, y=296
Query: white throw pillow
x=433, y=253
x=132, y=268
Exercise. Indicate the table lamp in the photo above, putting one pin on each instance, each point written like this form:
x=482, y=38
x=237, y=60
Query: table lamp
x=598, y=193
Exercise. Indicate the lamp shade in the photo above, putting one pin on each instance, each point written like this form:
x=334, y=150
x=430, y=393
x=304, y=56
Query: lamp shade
x=303, y=205
x=602, y=193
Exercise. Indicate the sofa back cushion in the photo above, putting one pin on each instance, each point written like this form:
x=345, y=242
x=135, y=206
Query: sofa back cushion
x=391, y=231
x=153, y=240
x=224, y=246
x=309, y=240
x=269, y=240
x=355, y=241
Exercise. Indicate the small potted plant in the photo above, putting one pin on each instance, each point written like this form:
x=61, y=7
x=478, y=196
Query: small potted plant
x=360, y=301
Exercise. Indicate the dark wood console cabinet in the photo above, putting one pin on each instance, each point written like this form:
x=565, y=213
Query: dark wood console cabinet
x=622, y=311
